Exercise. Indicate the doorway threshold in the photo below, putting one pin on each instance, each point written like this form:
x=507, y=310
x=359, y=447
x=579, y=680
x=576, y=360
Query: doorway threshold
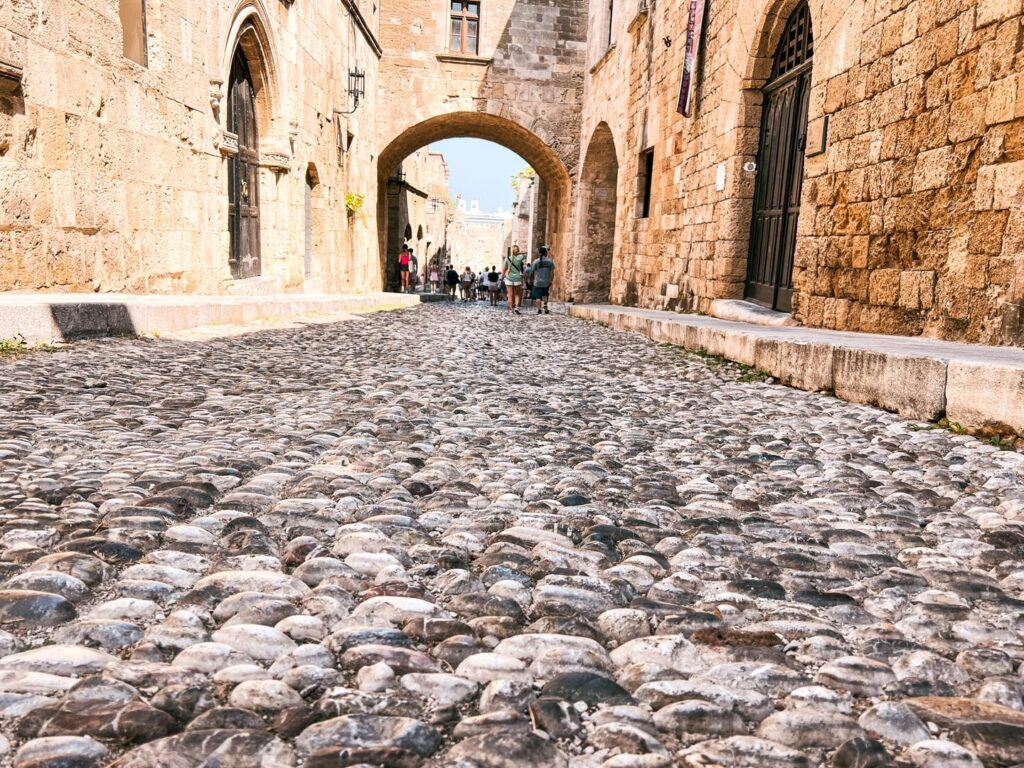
x=748, y=312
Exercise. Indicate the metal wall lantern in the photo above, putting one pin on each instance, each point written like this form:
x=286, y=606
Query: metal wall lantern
x=356, y=90
x=396, y=182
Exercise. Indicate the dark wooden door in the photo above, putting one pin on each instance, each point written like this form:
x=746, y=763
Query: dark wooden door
x=780, y=167
x=243, y=173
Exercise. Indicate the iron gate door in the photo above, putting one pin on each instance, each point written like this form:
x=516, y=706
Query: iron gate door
x=243, y=173
x=780, y=167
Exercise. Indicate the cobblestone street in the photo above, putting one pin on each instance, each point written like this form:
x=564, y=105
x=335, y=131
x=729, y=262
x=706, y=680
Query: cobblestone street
x=446, y=536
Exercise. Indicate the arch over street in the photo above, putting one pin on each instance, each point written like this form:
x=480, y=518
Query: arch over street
x=555, y=182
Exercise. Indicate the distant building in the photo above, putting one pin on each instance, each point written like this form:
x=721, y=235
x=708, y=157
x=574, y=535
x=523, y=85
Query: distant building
x=479, y=239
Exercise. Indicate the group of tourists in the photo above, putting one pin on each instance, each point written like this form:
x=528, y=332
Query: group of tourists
x=532, y=279
x=515, y=280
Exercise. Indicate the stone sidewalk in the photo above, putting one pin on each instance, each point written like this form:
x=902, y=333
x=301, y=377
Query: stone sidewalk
x=978, y=387
x=45, y=317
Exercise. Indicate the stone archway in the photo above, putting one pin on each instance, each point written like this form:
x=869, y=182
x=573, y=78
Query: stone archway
x=249, y=34
x=555, y=183
x=598, y=198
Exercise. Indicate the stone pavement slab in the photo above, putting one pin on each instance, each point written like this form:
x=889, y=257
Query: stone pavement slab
x=978, y=387
x=45, y=317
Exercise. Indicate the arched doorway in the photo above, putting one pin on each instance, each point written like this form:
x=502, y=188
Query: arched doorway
x=243, y=172
x=599, y=215
x=780, y=166
x=312, y=180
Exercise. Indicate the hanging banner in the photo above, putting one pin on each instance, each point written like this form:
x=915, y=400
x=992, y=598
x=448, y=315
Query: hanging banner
x=694, y=33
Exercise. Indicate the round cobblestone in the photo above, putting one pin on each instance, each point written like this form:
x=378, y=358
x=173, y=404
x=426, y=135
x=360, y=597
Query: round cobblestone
x=447, y=532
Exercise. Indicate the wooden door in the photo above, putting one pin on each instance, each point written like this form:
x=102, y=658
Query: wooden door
x=780, y=167
x=243, y=173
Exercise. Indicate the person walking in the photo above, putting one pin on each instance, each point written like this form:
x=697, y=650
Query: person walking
x=543, y=275
x=404, y=257
x=435, y=280
x=512, y=272
x=493, y=286
x=451, y=279
x=468, y=278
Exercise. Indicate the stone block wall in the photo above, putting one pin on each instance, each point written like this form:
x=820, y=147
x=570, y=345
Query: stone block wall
x=113, y=175
x=911, y=220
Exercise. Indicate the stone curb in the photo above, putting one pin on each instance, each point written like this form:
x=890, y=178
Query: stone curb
x=44, y=318
x=983, y=397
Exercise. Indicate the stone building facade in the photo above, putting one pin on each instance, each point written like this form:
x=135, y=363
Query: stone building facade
x=119, y=168
x=526, y=226
x=479, y=239
x=418, y=213
x=908, y=216
x=859, y=164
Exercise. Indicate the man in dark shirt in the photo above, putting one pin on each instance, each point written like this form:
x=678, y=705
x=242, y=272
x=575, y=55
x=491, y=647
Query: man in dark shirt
x=451, y=279
x=543, y=275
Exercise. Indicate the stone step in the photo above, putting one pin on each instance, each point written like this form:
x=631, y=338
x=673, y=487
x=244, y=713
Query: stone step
x=45, y=317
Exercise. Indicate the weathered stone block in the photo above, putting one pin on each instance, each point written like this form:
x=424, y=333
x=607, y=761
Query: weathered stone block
x=728, y=344
x=910, y=386
x=985, y=397
x=796, y=364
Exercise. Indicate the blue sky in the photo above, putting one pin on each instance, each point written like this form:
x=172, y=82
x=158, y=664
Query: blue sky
x=480, y=170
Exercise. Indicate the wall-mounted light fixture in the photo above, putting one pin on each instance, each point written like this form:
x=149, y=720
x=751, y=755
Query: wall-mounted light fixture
x=356, y=90
x=396, y=182
x=667, y=41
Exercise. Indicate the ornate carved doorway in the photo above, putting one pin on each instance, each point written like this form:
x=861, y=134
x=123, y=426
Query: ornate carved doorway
x=243, y=172
x=780, y=167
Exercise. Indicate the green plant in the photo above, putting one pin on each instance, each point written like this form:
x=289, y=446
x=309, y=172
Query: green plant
x=752, y=375
x=13, y=346
x=524, y=175
x=354, y=203
x=711, y=361
x=953, y=426
x=18, y=346
x=1003, y=443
